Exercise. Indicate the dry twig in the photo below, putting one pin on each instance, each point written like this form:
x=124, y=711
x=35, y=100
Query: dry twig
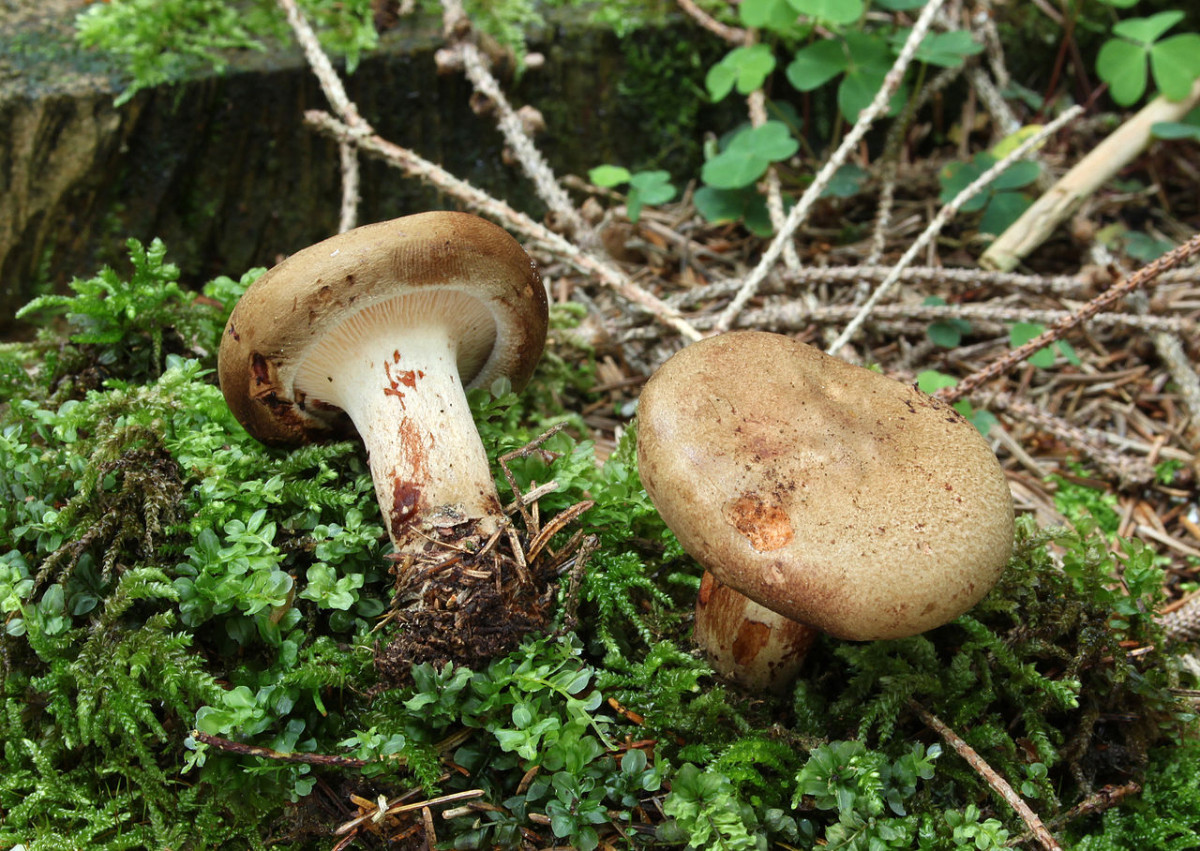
x=457, y=28
x=944, y=215
x=998, y=783
x=1088, y=175
x=733, y=35
x=1142, y=277
x=350, y=127
x=800, y=212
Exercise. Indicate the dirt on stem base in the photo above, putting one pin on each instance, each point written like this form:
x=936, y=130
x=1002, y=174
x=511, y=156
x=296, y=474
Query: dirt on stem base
x=464, y=600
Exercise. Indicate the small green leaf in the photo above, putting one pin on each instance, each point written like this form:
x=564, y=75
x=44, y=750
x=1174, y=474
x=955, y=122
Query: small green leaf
x=846, y=182
x=1146, y=31
x=1021, y=333
x=1175, y=130
x=731, y=205
x=946, y=50
x=749, y=154
x=830, y=11
x=858, y=89
x=931, y=381
x=648, y=187
x=1175, y=65
x=983, y=420
x=944, y=334
x=815, y=65
x=1002, y=211
x=1144, y=247
x=608, y=175
x=1017, y=175
x=775, y=15
x=745, y=68
x=1123, y=66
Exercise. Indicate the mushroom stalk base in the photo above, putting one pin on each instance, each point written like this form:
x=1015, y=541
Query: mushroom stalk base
x=402, y=391
x=755, y=647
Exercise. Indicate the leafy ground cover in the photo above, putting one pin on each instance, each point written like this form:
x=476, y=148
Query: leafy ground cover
x=195, y=626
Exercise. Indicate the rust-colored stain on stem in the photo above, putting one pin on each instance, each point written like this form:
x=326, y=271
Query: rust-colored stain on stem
x=398, y=378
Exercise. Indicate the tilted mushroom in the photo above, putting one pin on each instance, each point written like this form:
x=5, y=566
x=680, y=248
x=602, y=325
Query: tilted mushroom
x=388, y=325
x=824, y=492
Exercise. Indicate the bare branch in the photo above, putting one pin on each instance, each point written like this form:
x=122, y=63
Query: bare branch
x=532, y=162
x=416, y=166
x=733, y=35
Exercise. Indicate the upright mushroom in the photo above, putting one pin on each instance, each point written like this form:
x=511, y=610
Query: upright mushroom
x=388, y=325
x=825, y=493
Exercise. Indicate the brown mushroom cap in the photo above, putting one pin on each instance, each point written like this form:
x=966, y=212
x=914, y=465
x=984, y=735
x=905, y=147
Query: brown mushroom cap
x=823, y=491
x=467, y=268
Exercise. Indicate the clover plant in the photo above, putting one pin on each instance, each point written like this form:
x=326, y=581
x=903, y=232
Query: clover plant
x=1139, y=44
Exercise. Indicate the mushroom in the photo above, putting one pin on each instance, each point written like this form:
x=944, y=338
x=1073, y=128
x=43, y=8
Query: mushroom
x=825, y=493
x=385, y=327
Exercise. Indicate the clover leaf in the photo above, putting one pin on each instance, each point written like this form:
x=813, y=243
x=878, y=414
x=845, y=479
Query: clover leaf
x=645, y=187
x=1174, y=62
x=748, y=155
x=830, y=11
x=745, y=68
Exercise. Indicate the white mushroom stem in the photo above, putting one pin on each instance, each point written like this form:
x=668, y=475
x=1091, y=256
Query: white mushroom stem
x=757, y=648
x=401, y=388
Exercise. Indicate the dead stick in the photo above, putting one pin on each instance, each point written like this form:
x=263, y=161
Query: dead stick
x=733, y=35
x=998, y=783
x=1091, y=173
x=1058, y=330
x=1105, y=799
x=243, y=749
x=410, y=163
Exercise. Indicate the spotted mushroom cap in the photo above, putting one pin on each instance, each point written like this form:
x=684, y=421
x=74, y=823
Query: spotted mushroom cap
x=826, y=492
x=430, y=259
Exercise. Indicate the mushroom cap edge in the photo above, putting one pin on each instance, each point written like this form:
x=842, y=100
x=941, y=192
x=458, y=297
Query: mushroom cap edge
x=314, y=289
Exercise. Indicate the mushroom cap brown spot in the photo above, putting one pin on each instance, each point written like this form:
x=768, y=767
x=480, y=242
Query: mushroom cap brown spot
x=823, y=491
x=435, y=257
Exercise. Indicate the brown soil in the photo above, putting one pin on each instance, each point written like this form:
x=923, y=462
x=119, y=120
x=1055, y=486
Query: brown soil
x=464, y=601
